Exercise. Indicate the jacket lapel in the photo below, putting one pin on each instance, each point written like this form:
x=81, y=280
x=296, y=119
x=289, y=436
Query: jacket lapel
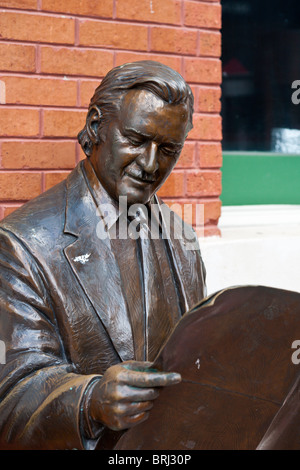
x=94, y=264
x=185, y=253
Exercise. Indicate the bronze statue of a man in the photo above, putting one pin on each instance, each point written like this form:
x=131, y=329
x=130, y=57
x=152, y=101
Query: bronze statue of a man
x=83, y=315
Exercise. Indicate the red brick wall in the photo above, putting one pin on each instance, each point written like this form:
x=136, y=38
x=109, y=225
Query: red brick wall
x=53, y=54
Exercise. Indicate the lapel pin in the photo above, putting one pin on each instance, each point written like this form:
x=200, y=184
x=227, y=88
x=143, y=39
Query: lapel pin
x=82, y=258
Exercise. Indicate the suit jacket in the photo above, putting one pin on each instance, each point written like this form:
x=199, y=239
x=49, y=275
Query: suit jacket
x=63, y=314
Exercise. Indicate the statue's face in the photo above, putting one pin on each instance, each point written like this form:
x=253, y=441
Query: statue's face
x=140, y=146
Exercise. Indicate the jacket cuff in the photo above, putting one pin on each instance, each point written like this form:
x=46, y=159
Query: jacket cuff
x=90, y=428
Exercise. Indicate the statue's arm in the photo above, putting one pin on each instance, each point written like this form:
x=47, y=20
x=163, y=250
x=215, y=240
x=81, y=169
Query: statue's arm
x=40, y=392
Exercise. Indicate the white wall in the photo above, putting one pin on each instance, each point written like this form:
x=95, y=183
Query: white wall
x=260, y=245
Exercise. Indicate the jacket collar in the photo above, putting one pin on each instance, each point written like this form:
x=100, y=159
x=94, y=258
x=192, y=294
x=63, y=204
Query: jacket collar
x=92, y=261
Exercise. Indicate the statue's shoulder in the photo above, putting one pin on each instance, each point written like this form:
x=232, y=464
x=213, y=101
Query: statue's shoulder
x=37, y=211
x=41, y=220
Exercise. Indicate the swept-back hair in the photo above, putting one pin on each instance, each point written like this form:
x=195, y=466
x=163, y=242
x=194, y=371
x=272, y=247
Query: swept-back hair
x=149, y=75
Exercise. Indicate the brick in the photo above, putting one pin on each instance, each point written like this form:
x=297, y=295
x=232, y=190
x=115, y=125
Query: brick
x=102, y=8
x=204, y=183
x=41, y=155
x=174, y=186
x=22, y=4
x=69, y=61
x=187, y=157
x=190, y=210
x=171, y=61
x=202, y=15
x=19, y=122
x=176, y=40
x=210, y=155
x=36, y=28
x=166, y=11
x=17, y=58
x=210, y=44
x=80, y=152
x=114, y=35
x=19, y=186
x=206, y=127
x=176, y=205
x=198, y=70
x=87, y=90
x=208, y=231
x=194, y=89
x=196, y=212
x=51, y=179
x=212, y=211
x=209, y=100
x=58, y=123
x=40, y=91
x=10, y=209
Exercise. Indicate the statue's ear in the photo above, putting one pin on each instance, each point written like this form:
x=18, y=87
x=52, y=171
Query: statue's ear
x=92, y=123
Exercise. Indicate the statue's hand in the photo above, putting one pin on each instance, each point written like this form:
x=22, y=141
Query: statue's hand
x=125, y=394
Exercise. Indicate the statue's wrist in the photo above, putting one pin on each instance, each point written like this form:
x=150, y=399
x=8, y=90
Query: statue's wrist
x=90, y=422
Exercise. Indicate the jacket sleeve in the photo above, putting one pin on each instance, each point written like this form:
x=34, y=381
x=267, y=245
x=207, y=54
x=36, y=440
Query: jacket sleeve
x=41, y=395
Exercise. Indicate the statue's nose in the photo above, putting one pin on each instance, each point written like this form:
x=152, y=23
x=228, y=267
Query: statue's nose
x=147, y=160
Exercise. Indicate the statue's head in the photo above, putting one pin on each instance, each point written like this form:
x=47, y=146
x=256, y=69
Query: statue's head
x=136, y=125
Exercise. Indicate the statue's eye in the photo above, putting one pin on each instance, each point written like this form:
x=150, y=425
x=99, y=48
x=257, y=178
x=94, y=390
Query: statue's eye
x=135, y=141
x=169, y=151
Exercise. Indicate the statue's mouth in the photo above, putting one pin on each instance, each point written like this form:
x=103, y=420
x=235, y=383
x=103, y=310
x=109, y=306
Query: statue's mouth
x=140, y=177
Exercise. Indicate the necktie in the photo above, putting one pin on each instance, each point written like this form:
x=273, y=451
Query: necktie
x=157, y=319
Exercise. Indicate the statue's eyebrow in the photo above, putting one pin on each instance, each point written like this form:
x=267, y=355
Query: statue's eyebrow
x=129, y=130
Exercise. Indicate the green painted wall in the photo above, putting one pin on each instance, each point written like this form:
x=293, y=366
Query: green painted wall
x=260, y=178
